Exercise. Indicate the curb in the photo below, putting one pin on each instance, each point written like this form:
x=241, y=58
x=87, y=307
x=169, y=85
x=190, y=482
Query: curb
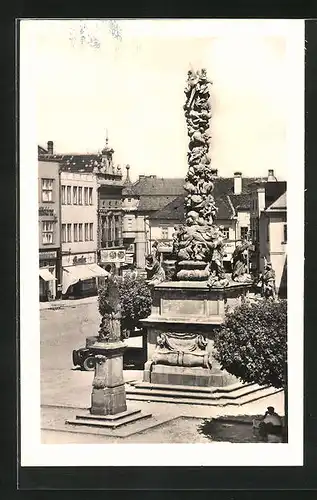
x=62, y=304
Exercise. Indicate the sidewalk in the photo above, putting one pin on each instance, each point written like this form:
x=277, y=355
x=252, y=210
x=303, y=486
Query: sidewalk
x=172, y=423
x=61, y=304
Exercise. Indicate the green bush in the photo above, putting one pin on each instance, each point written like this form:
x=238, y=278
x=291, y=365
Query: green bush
x=252, y=343
x=135, y=300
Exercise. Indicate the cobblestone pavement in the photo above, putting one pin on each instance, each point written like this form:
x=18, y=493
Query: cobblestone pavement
x=66, y=328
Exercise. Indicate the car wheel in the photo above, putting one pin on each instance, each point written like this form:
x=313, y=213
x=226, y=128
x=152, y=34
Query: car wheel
x=76, y=361
x=89, y=364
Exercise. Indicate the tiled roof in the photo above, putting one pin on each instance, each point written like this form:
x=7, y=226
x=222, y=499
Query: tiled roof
x=153, y=203
x=80, y=162
x=152, y=185
x=173, y=210
x=241, y=201
x=226, y=201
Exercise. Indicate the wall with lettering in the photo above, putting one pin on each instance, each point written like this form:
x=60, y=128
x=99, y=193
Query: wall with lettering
x=78, y=259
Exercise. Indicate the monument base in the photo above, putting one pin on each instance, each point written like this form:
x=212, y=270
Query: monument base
x=181, y=331
x=180, y=375
x=109, y=421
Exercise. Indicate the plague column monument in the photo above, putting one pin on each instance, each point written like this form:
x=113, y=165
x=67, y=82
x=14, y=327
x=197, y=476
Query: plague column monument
x=186, y=312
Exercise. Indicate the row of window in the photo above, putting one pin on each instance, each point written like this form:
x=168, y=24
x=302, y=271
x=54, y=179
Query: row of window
x=76, y=196
x=243, y=232
x=77, y=232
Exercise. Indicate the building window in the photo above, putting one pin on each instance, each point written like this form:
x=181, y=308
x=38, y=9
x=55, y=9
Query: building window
x=117, y=230
x=75, y=200
x=86, y=232
x=244, y=232
x=64, y=239
x=86, y=195
x=91, y=231
x=80, y=232
x=80, y=196
x=47, y=190
x=69, y=233
x=285, y=233
x=90, y=196
x=130, y=224
x=75, y=232
x=164, y=233
x=47, y=233
x=69, y=195
x=226, y=232
x=63, y=195
x=129, y=200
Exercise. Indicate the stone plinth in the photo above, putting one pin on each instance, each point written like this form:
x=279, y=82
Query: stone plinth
x=181, y=329
x=108, y=390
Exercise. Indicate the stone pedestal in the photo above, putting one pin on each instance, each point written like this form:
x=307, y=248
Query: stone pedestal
x=181, y=329
x=108, y=398
x=108, y=391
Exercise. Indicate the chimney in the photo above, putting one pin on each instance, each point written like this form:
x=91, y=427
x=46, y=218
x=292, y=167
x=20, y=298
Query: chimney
x=270, y=176
x=50, y=147
x=127, y=180
x=237, y=183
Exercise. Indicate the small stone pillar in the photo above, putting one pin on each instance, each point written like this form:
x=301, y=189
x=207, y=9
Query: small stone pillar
x=108, y=390
x=108, y=398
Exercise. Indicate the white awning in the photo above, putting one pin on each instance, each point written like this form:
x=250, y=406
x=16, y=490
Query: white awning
x=73, y=274
x=99, y=271
x=46, y=275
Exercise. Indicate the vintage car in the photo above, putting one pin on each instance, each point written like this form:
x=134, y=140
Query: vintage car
x=85, y=357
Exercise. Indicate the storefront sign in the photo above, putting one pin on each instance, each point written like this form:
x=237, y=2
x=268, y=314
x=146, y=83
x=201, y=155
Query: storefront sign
x=48, y=255
x=129, y=258
x=112, y=255
x=79, y=258
x=47, y=212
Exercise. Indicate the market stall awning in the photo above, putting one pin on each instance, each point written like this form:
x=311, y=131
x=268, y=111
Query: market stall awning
x=73, y=274
x=46, y=275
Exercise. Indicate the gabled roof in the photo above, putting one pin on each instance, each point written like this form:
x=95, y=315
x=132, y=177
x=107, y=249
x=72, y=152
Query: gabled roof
x=279, y=204
x=273, y=190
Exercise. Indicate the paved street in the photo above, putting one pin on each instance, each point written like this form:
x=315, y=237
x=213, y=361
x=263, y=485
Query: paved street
x=64, y=327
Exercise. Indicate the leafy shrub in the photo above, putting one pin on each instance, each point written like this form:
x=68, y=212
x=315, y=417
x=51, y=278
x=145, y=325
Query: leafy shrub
x=135, y=300
x=252, y=343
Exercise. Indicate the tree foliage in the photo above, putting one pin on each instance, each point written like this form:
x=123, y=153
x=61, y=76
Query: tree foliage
x=252, y=343
x=135, y=300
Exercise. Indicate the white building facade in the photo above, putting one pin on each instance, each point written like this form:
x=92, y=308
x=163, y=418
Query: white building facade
x=79, y=233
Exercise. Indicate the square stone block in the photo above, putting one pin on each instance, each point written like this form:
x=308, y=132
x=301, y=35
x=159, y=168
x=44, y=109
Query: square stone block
x=108, y=400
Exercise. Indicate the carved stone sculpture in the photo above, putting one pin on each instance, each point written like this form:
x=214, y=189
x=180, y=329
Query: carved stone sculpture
x=239, y=263
x=199, y=244
x=268, y=282
x=154, y=270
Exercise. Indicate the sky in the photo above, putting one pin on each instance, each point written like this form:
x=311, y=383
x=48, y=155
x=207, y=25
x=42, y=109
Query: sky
x=132, y=86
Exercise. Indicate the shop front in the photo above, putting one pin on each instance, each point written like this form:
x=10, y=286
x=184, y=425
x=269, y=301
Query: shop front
x=81, y=275
x=47, y=275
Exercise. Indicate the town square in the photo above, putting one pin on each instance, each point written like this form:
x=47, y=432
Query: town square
x=162, y=219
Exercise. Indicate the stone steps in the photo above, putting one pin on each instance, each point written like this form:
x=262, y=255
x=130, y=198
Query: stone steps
x=108, y=421
x=202, y=396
